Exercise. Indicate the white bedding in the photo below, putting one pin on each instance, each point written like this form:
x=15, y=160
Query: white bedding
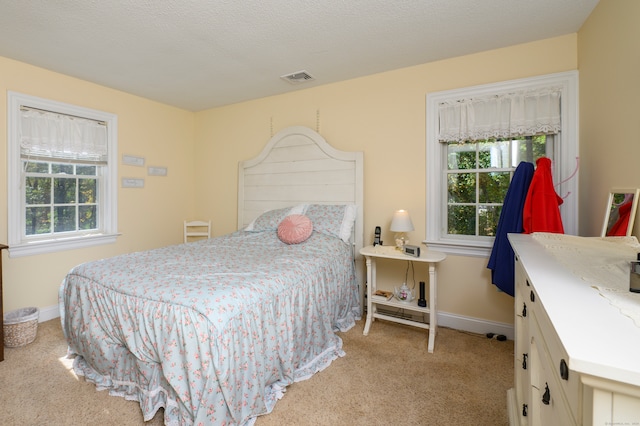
x=212, y=331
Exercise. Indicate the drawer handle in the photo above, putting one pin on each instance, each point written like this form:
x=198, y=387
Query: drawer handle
x=524, y=310
x=564, y=370
x=524, y=410
x=532, y=297
x=546, y=397
x=528, y=285
x=524, y=361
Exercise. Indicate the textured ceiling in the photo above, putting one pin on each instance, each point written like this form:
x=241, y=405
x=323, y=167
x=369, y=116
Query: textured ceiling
x=199, y=54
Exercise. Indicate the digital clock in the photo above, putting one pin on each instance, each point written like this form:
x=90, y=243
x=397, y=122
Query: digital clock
x=411, y=250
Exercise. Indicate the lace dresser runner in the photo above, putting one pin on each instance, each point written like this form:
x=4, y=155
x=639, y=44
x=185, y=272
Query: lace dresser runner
x=603, y=262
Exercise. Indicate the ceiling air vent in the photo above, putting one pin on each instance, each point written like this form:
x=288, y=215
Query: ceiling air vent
x=298, y=77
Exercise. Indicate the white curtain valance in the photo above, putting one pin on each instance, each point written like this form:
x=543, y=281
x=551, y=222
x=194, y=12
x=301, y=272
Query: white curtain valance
x=524, y=113
x=50, y=136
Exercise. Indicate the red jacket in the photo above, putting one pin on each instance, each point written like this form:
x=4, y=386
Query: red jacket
x=619, y=228
x=541, y=208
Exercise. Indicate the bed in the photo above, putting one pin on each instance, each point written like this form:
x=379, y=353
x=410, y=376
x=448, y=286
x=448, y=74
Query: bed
x=214, y=331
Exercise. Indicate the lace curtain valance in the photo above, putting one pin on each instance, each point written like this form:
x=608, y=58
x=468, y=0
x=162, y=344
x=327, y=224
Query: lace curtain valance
x=524, y=113
x=46, y=135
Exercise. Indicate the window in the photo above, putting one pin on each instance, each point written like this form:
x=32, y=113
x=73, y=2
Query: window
x=60, y=198
x=477, y=178
x=471, y=155
x=62, y=176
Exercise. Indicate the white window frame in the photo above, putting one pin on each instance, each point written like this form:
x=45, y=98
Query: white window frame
x=19, y=245
x=566, y=159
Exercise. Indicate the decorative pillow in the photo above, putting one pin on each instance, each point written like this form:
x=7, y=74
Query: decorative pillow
x=332, y=219
x=269, y=220
x=295, y=229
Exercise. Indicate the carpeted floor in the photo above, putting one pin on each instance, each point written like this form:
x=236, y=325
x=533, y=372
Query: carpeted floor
x=386, y=378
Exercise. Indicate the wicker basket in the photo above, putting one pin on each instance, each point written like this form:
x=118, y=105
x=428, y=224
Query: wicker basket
x=20, y=327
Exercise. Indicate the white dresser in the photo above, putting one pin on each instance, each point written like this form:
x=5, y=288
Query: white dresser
x=577, y=353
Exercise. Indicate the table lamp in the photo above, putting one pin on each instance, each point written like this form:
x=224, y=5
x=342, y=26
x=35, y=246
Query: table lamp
x=401, y=224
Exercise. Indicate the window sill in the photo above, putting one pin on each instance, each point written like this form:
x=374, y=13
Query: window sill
x=460, y=248
x=56, y=245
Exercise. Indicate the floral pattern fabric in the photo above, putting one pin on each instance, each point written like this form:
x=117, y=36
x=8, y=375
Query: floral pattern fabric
x=213, y=331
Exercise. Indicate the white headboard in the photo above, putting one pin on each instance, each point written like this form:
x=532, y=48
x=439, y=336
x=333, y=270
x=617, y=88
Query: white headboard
x=298, y=166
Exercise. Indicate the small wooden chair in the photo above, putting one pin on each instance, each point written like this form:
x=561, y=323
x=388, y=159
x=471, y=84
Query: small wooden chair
x=196, y=229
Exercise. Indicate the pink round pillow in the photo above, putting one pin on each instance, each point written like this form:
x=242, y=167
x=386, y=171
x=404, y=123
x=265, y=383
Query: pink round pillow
x=295, y=229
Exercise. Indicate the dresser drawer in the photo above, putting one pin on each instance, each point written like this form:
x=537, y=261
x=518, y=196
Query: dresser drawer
x=521, y=343
x=558, y=362
x=548, y=405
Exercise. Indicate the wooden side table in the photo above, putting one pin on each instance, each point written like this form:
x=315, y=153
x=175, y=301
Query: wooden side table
x=2, y=247
x=371, y=253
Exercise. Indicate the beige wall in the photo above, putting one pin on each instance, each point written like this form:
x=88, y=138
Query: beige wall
x=148, y=218
x=384, y=116
x=609, y=63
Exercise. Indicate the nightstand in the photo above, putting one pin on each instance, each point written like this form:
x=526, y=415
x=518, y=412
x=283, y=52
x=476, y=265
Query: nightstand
x=371, y=253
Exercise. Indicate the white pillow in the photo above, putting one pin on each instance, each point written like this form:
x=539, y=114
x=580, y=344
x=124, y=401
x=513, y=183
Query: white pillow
x=269, y=220
x=332, y=219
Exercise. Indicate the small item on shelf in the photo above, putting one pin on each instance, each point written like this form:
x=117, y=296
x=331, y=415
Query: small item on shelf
x=404, y=293
x=386, y=295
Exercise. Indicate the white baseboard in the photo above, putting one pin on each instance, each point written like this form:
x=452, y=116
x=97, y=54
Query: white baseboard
x=49, y=313
x=475, y=325
x=460, y=322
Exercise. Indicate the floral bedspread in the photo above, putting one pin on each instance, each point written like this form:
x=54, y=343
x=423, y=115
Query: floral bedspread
x=213, y=331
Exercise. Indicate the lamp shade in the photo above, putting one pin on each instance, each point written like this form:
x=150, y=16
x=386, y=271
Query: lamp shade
x=401, y=222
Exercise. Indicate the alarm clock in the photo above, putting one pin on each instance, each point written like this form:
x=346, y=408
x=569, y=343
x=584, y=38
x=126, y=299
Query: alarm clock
x=411, y=250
